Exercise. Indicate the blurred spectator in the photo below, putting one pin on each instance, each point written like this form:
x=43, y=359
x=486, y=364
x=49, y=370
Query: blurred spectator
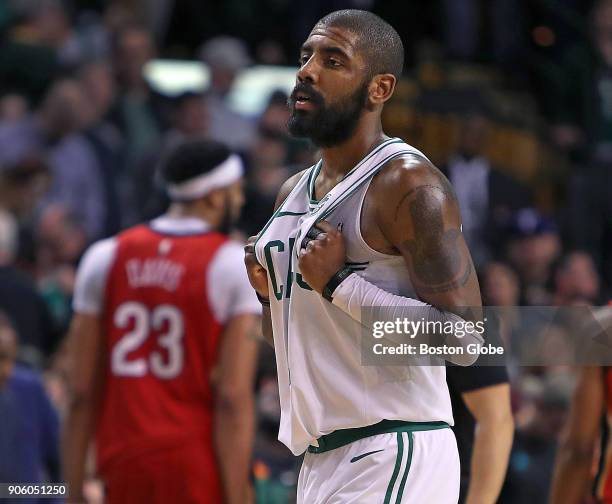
x=60, y=243
x=22, y=184
x=54, y=133
x=226, y=57
x=500, y=285
x=583, y=105
x=274, y=118
x=136, y=111
x=268, y=172
x=487, y=197
x=29, y=437
x=94, y=34
x=533, y=247
x=45, y=34
x=191, y=119
x=19, y=299
x=533, y=453
x=461, y=27
x=28, y=58
x=13, y=107
x=99, y=87
x=503, y=29
x=76, y=180
x=501, y=289
x=273, y=122
x=60, y=238
x=55, y=29
x=271, y=52
x=274, y=157
x=189, y=122
x=590, y=217
x=576, y=280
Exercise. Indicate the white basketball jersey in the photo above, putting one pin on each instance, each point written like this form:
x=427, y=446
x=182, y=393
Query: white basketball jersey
x=323, y=385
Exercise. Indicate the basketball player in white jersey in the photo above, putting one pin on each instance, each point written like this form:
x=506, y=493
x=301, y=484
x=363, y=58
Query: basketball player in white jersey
x=389, y=236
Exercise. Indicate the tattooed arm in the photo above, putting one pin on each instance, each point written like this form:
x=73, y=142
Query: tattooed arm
x=419, y=217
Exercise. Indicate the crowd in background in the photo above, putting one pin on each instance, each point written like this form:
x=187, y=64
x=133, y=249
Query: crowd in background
x=82, y=131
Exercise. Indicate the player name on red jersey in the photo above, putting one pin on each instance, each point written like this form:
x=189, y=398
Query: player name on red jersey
x=159, y=272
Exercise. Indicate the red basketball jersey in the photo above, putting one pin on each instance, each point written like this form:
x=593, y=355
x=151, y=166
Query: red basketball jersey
x=161, y=343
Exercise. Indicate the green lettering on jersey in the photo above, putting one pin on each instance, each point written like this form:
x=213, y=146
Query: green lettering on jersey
x=278, y=290
x=301, y=282
x=290, y=274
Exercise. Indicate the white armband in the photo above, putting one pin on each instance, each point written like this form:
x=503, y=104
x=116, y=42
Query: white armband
x=355, y=293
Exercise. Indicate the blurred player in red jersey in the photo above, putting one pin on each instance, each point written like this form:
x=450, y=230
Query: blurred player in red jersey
x=163, y=357
x=576, y=479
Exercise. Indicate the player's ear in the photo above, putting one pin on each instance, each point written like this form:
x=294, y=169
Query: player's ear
x=381, y=88
x=216, y=199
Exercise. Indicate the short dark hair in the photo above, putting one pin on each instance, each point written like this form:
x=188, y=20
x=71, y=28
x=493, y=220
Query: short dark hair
x=190, y=159
x=378, y=40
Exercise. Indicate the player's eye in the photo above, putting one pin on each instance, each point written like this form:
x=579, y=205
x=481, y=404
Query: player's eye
x=334, y=62
x=303, y=59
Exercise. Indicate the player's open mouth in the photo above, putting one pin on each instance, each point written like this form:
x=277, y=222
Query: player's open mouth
x=303, y=102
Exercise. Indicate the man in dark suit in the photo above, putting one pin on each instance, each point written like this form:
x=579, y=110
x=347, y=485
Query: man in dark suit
x=487, y=197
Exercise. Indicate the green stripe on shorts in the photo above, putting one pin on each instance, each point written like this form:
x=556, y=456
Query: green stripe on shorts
x=407, y=470
x=398, y=463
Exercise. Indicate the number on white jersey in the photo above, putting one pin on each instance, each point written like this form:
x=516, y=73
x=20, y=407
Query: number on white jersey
x=144, y=321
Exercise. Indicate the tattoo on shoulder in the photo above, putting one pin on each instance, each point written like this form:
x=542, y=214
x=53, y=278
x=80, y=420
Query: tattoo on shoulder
x=411, y=193
x=437, y=261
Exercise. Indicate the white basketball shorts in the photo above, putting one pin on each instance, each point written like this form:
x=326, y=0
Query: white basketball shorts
x=406, y=465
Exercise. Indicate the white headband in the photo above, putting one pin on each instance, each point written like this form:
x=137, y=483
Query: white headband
x=223, y=175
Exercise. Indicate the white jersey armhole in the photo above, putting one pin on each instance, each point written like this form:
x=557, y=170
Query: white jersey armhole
x=228, y=289
x=92, y=276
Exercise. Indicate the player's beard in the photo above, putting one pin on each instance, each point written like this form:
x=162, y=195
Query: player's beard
x=326, y=125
